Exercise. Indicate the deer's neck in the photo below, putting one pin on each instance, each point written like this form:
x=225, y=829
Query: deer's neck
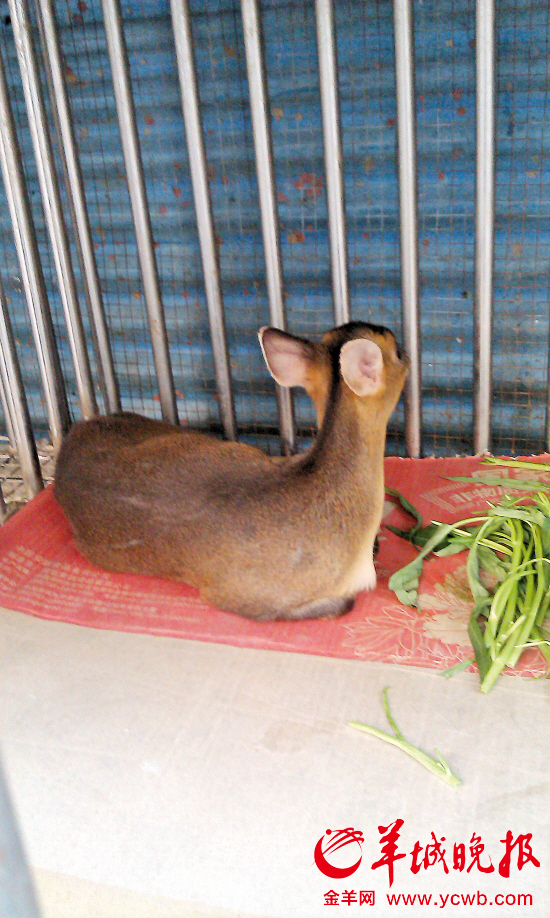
x=350, y=446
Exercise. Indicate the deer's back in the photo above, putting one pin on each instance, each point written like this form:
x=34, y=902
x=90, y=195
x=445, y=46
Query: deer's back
x=145, y=497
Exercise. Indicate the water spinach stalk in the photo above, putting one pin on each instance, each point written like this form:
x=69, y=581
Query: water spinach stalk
x=438, y=767
x=509, y=548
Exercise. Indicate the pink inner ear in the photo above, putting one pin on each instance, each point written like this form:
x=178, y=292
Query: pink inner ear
x=285, y=357
x=362, y=365
x=287, y=368
x=368, y=366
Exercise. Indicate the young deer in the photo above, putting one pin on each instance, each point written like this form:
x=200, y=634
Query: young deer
x=266, y=538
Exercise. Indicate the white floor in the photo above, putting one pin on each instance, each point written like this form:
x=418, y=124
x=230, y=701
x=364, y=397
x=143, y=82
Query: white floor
x=160, y=778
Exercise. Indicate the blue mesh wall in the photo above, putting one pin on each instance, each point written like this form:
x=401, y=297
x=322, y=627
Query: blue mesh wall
x=445, y=84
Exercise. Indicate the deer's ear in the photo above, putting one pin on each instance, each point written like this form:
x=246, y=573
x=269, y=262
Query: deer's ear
x=362, y=366
x=288, y=359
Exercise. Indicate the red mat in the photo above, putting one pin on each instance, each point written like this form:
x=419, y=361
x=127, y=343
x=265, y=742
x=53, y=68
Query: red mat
x=42, y=573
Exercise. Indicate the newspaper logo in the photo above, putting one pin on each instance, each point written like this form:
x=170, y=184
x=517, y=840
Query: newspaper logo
x=336, y=865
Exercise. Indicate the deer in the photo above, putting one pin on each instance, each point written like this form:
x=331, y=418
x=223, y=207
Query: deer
x=268, y=538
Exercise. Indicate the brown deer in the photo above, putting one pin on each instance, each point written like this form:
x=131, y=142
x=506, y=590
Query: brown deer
x=267, y=538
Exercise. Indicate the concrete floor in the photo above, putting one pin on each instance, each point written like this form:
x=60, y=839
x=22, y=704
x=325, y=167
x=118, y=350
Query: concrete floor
x=161, y=778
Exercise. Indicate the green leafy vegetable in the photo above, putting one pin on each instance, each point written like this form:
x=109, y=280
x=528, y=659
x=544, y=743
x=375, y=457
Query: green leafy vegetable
x=517, y=464
x=437, y=766
x=457, y=668
x=406, y=533
x=514, y=484
x=508, y=568
x=405, y=582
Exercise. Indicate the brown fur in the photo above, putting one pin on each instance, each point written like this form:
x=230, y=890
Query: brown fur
x=261, y=537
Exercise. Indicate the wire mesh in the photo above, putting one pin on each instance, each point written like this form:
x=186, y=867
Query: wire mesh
x=522, y=229
x=445, y=83
x=10, y=268
x=221, y=65
x=293, y=81
x=89, y=79
x=368, y=114
x=445, y=53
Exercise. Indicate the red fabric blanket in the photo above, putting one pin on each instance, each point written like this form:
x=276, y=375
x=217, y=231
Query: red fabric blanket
x=42, y=573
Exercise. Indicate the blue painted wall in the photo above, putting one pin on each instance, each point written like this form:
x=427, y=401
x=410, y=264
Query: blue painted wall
x=445, y=50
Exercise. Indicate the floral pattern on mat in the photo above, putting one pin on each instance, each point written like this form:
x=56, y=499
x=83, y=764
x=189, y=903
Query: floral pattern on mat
x=452, y=602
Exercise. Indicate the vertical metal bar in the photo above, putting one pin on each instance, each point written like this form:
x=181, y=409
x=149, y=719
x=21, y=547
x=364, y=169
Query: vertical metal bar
x=17, y=896
x=17, y=403
x=406, y=155
x=3, y=508
x=181, y=23
x=31, y=269
x=334, y=163
x=120, y=69
x=268, y=205
x=75, y=189
x=51, y=201
x=484, y=220
x=7, y=416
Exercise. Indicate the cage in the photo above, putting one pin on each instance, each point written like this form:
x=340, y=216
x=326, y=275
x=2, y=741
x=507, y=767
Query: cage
x=178, y=173
x=177, y=176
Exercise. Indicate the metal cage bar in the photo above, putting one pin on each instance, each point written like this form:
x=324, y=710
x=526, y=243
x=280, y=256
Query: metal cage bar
x=257, y=86
x=10, y=430
x=27, y=249
x=75, y=189
x=408, y=216
x=51, y=202
x=181, y=24
x=484, y=220
x=120, y=69
x=31, y=268
x=334, y=169
x=17, y=403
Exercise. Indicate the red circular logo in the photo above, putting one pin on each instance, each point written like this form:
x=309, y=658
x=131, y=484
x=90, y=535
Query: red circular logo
x=327, y=846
